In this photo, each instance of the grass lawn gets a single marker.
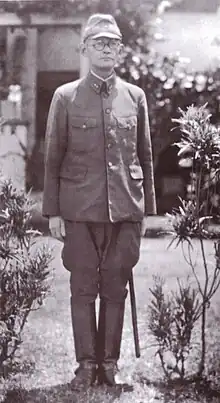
(48, 341)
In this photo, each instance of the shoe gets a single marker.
(84, 379)
(107, 376)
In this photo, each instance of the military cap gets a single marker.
(101, 25)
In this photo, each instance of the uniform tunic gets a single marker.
(98, 156)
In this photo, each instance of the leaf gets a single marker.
(172, 241)
(185, 149)
(33, 232)
(203, 219)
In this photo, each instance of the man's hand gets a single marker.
(144, 226)
(57, 227)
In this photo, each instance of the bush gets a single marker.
(172, 321)
(24, 271)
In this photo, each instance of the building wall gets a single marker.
(47, 49)
(29, 85)
(58, 49)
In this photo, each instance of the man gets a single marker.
(98, 190)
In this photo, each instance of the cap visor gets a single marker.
(106, 35)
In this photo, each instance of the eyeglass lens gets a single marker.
(100, 44)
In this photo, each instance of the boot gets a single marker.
(85, 377)
(84, 332)
(110, 326)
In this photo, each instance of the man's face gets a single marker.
(102, 52)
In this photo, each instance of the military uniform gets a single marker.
(99, 179)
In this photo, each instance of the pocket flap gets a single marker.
(136, 172)
(83, 122)
(73, 172)
(126, 122)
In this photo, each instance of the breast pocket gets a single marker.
(127, 131)
(83, 133)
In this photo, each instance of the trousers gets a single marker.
(100, 258)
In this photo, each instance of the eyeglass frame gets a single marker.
(104, 42)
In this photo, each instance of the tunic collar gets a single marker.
(96, 82)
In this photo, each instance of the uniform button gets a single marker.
(84, 126)
(107, 110)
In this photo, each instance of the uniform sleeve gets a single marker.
(55, 147)
(145, 156)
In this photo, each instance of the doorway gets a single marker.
(47, 82)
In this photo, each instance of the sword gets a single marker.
(134, 316)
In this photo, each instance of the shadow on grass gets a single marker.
(61, 394)
(183, 391)
(172, 392)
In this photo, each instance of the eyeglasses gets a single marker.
(99, 44)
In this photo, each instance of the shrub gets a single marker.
(172, 322)
(24, 271)
(172, 319)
